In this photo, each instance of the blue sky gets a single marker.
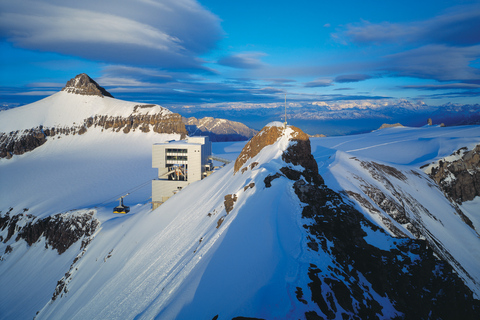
(189, 52)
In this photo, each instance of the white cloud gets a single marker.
(442, 48)
(437, 62)
(163, 33)
(319, 83)
(457, 27)
(243, 60)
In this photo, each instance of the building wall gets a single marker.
(164, 189)
(198, 151)
(158, 156)
(194, 163)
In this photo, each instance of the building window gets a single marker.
(177, 172)
(177, 158)
(176, 151)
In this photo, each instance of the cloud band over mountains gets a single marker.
(168, 33)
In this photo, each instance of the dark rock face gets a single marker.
(60, 231)
(394, 206)
(170, 123)
(300, 153)
(268, 180)
(230, 200)
(460, 179)
(84, 85)
(19, 142)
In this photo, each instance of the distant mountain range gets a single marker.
(340, 117)
(218, 129)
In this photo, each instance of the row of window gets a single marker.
(176, 150)
(180, 158)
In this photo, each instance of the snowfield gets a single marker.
(190, 258)
(64, 109)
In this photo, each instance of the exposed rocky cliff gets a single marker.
(459, 174)
(355, 276)
(59, 231)
(142, 117)
(19, 142)
(218, 129)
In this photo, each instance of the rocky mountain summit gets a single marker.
(84, 85)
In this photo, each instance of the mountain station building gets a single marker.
(179, 163)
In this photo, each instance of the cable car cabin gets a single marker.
(121, 208)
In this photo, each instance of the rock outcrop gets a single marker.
(459, 178)
(60, 231)
(267, 136)
(19, 142)
(388, 125)
(84, 85)
(299, 153)
(218, 129)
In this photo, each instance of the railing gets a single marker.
(226, 161)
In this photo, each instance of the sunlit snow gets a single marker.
(175, 262)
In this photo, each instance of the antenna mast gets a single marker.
(285, 123)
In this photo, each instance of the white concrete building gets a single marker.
(179, 163)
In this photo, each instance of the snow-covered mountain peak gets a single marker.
(84, 85)
(273, 133)
(81, 106)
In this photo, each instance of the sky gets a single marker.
(188, 52)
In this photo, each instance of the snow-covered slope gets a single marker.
(382, 172)
(263, 237)
(80, 106)
(64, 109)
